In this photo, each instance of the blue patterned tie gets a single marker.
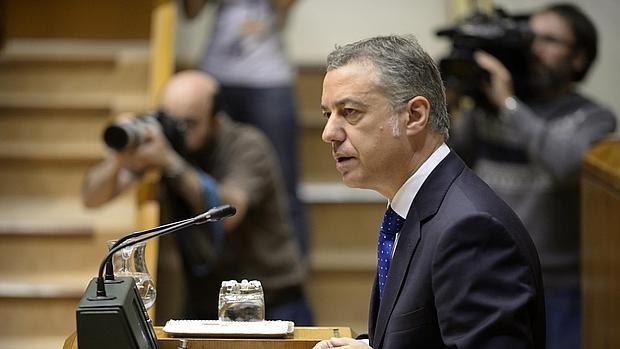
(390, 225)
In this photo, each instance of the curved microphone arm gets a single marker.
(109, 268)
(214, 214)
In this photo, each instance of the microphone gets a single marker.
(120, 320)
(212, 215)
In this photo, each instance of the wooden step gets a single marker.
(344, 258)
(85, 153)
(54, 66)
(40, 305)
(342, 217)
(46, 179)
(32, 342)
(74, 50)
(48, 285)
(87, 101)
(37, 212)
(316, 162)
(344, 224)
(341, 298)
(309, 87)
(53, 235)
(347, 226)
(52, 125)
(60, 247)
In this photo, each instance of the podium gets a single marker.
(302, 338)
(600, 246)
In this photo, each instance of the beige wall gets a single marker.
(315, 26)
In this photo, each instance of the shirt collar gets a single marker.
(407, 192)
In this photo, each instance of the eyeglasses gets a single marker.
(546, 39)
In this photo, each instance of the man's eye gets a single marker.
(326, 114)
(348, 112)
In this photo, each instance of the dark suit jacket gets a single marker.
(465, 273)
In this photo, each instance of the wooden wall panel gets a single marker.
(600, 247)
(77, 19)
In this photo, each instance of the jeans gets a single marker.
(274, 112)
(563, 318)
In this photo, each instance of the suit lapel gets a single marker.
(425, 205)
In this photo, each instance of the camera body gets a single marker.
(508, 38)
(129, 135)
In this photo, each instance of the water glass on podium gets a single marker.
(243, 301)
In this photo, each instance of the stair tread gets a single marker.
(74, 49)
(32, 212)
(89, 151)
(336, 192)
(33, 342)
(83, 100)
(44, 284)
(342, 259)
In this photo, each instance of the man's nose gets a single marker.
(333, 132)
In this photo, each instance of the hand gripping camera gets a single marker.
(508, 38)
(128, 135)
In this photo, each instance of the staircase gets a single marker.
(343, 221)
(55, 98)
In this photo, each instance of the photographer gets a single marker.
(529, 148)
(218, 161)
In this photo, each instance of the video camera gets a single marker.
(508, 38)
(128, 135)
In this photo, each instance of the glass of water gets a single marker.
(242, 301)
(130, 261)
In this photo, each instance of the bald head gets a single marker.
(190, 88)
(188, 97)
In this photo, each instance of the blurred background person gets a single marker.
(217, 161)
(527, 142)
(245, 54)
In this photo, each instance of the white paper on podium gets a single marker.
(216, 328)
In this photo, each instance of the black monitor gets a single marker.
(119, 320)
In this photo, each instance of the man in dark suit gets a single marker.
(456, 268)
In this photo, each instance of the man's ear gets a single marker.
(579, 61)
(418, 110)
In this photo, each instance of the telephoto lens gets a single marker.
(130, 134)
(121, 136)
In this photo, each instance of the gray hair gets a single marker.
(403, 70)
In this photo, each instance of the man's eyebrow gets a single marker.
(346, 101)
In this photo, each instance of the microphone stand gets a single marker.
(119, 320)
(109, 268)
(214, 214)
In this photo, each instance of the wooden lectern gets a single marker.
(302, 338)
(600, 246)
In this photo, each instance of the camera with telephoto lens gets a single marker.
(508, 38)
(128, 135)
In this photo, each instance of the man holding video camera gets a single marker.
(205, 160)
(528, 147)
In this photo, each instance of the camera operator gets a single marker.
(529, 150)
(223, 162)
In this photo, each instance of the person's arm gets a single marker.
(194, 186)
(558, 145)
(105, 181)
(191, 8)
(281, 9)
(200, 191)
